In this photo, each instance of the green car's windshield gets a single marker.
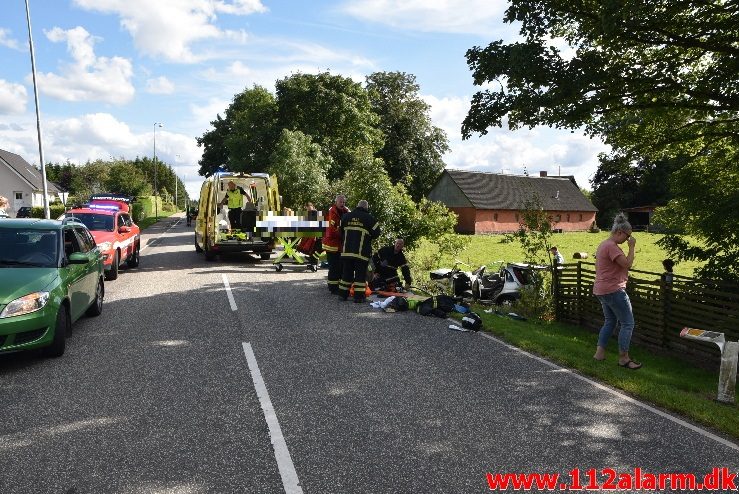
(95, 222)
(28, 248)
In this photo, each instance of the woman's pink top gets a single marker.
(609, 275)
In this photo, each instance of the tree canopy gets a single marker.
(655, 79)
(413, 146)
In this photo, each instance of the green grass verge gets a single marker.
(485, 249)
(147, 222)
(666, 382)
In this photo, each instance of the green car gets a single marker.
(51, 273)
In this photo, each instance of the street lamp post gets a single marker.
(45, 188)
(177, 158)
(156, 189)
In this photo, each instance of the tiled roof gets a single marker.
(498, 191)
(29, 172)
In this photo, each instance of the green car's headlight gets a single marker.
(26, 304)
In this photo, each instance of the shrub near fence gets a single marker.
(661, 310)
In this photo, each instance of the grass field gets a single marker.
(485, 249)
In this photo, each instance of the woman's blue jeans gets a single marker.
(616, 308)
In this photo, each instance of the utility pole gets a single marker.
(45, 187)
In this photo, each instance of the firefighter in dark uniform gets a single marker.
(332, 242)
(387, 261)
(358, 229)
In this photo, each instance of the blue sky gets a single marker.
(110, 69)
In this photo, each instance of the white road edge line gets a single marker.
(148, 244)
(625, 397)
(229, 294)
(290, 480)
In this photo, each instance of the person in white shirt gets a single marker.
(556, 256)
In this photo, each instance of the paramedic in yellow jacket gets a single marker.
(235, 201)
(358, 229)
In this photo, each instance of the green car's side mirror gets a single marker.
(78, 258)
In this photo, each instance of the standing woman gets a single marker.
(611, 273)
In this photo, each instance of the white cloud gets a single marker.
(167, 28)
(88, 77)
(13, 98)
(503, 150)
(479, 17)
(7, 41)
(159, 85)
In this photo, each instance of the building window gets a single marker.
(495, 216)
(19, 196)
(558, 218)
(580, 216)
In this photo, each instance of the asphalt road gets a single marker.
(157, 396)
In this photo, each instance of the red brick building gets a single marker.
(491, 202)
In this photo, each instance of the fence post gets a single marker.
(579, 293)
(555, 291)
(664, 295)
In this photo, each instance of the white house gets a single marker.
(21, 183)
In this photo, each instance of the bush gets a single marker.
(137, 212)
(55, 210)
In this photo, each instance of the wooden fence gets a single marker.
(661, 309)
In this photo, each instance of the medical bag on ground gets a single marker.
(472, 321)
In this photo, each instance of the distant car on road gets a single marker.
(108, 218)
(23, 212)
(51, 273)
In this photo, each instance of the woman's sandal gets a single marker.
(626, 365)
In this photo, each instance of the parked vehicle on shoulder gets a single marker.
(108, 218)
(51, 274)
(503, 286)
(23, 212)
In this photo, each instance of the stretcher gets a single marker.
(288, 232)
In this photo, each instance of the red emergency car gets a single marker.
(108, 218)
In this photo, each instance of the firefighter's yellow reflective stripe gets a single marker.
(403, 266)
(356, 229)
(344, 284)
(436, 302)
(355, 256)
(358, 284)
(375, 227)
(332, 222)
(333, 282)
(330, 248)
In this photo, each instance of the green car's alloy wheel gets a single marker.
(97, 306)
(112, 274)
(61, 331)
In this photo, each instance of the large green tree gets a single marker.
(413, 146)
(392, 206)
(656, 79)
(244, 138)
(300, 166)
(334, 111)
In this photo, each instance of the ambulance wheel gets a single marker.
(198, 249)
(265, 255)
(209, 254)
(278, 267)
(313, 267)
